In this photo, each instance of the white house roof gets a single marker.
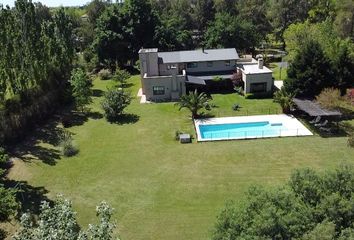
(198, 55)
(254, 69)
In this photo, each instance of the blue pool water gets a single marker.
(241, 130)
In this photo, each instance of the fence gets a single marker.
(251, 134)
(246, 112)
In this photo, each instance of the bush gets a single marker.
(177, 133)
(239, 90)
(236, 107)
(121, 76)
(66, 144)
(114, 103)
(330, 98)
(104, 74)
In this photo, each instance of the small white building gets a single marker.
(256, 77)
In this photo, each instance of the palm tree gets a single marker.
(285, 99)
(194, 102)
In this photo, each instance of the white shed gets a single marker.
(256, 77)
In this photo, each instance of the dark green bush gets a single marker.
(114, 103)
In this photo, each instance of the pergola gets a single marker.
(314, 109)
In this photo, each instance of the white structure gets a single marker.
(257, 78)
(164, 75)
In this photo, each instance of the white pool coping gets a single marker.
(292, 126)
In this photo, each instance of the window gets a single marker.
(209, 64)
(258, 87)
(227, 63)
(192, 65)
(158, 90)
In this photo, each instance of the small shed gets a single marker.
(257, 78)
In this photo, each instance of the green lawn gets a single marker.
(165, 190)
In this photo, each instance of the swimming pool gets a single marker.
(248, 127)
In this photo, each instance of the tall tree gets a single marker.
(230, 31)
(310, 72)
(255, 11)
(344, 21)
(123, 29)
(282, 13)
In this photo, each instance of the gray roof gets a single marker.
(198, 55)
(313, 108)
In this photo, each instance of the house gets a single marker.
(165, 76)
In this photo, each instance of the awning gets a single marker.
(195, 80)
(314, 109)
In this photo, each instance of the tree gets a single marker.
(172, 34)
(344, 21)
(114, 103)
(310, 72)
(81, 88)
(121, 76)
(285, 99)
(8, 203)
(282, 13)
(194, 102)
(122, 30)
(229, 31)
(59, 222)
(255, 11)
(344, 69)
(310, 206)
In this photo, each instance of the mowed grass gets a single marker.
(165, 190)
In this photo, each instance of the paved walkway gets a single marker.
(142, 96)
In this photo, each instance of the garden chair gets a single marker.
(316, 120)
(322, 124)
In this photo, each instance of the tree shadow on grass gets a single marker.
(35, 147)
(29, 196)
(127, 118)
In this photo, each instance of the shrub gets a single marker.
(121, 76)
(3, 156)
(330, 98)
(236, 107)
(239, 90)
(177, 133)
(66, 144)
(114, 103)
(104, 74)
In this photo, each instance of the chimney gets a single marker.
(260, 63)
(203, 49)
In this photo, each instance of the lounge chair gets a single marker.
(316, 120)
(326, 130)
(322, 124)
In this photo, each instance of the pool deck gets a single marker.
(292, 126)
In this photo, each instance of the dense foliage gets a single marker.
(36, 52)
(8, 204)
(310, 71)
(59, 222)
(311, 204)
(285, 100)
